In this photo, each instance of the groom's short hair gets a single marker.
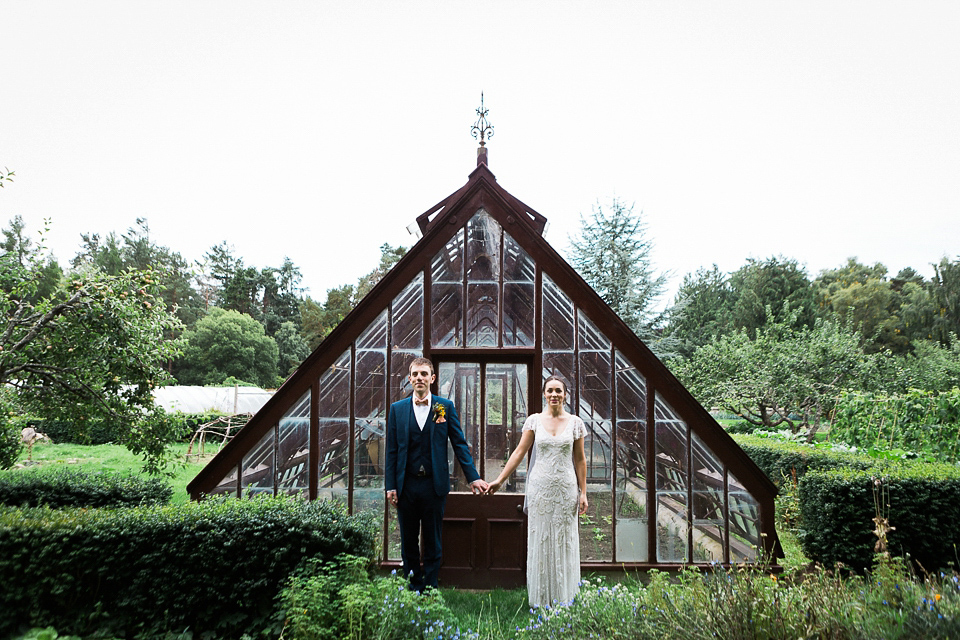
(421, 362)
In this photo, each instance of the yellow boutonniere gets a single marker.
(439, 413)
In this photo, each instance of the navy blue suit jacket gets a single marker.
(400, 420)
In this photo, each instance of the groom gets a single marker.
(418, 475)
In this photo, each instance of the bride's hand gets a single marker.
(583, 503)
(493, 487)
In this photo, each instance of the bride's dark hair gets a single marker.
(558, 379)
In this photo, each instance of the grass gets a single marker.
(116, 459)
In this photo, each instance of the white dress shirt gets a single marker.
(422, 411)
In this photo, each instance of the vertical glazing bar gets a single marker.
(313, 476)
(482, 426)
(614, 458)
(726, 515)
(352, 426)
(534, 377)
(500, 328)
(653, 508)
(690, 472)
(427, 315)
(276, 458)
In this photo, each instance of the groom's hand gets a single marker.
(479, 486)
(392, 497)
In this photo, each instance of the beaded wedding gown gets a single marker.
(553, 539)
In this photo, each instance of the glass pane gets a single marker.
(518, 315)
(483, 248)
(447, 266)
(370, 385)
(506, 411)
(407, 312)
(399, 374)
(591, 338)
(258, 466)
(708, 504)
(370, 449)
(671, 527)
(671, 451)
(483, 314)
(227, 486)
(744, 516)
(631, 521)
(707, 542)
(596, 449)
(334, 459)
(393, 534)
(595, 396)
(557, 318)
(334, 399)
(517, 265)
(293, 452)
(460, 382)
(560, 363)
(375, 335)
(631, 391)
(447, 315)
(596, 528)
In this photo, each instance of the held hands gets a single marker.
(493, 487)
(479, 487)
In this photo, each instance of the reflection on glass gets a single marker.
(506, 411)
(671, 527)
(460, 382)
(590, 338)
(483, 315)
(227, 486)
(518, 266)
(375, 335)
(293, 451)
(518, 315)
(483, 248)
(595, 379)
(744, 517)
(399, 374)
(446, 315)
(333, 456)
(447, 266)
(407, 310)
(258, 466)
(631, 391)
(558, 318)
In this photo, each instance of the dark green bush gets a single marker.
(921, 502)
(61, 487)
(213, 567)
(10, 445)
(780, 460)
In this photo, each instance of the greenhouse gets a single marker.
(497, 309)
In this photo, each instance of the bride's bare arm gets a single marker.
(580, 466)
(526, 441)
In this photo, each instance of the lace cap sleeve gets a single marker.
(530, 424)
(579, 429)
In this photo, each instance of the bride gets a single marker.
(556, 494)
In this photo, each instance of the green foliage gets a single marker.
(59, 488)
(612, 253)
(334, 600)
(917, 421)
(212, 567)
(772, 291)
(702, 310)
(228, 343)
(922, 503)
(784, 460)
(787, 375)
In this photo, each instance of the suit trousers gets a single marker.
(419, 508)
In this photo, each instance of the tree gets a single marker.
(774, 284)
(612, 253)
(787, 375)
(702, 310)
(291, 348)
(91, 349)
(228, 343)
(945, 291)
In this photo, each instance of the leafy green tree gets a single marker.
(227, 343)
(872, 307)
(702, 310)
(776, 284)
(945, 292)
(612, 253)
(785, 376)
(92, 349)
(291, 348)
(19, 253)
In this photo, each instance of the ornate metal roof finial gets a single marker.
(482, 127)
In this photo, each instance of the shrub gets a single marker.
(921, 502)
(780, 459)
(212, 567)
(10, 444)
(74, 488)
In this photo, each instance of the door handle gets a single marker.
(519, 508)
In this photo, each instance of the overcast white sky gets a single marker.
(816, 130)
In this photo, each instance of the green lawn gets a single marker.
(116, 459)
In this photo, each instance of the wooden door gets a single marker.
(485, 537)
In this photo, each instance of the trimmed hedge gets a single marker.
(213, 567)
(924, 508)
(108, 432)
(779, 459)
(74, 488)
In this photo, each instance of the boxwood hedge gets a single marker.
(212, 567)
(64, 487)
